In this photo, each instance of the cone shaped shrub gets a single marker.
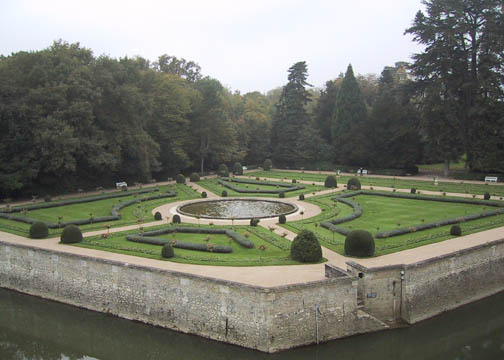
(330, 182)
(486, 196)
(167, 251)
(176, 219)
(301, 196)
(282, 219)
(39, 230)
(204, 194)
(359, 243)
(353, 184)
(71, 234)
(306, 248)
(254, 222)
(224, 193)
(267, 165)
(237, 168)
(157, 216)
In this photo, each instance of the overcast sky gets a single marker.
(247, 45)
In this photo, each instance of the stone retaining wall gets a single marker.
(267, 319)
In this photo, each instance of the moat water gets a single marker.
(33, 328)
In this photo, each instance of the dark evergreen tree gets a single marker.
(349, 120)
(325, 108)
(290, 116)
(461, 72)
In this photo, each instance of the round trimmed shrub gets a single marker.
(157, 216)
(71, 234)
(267, 165)
(306, 248)
(413, 190)
(180, 179)
(294, 181)
(204, 194)
(281, 194)
(237, 168)
(330, 182)
(39, 230)
(194, 177)
(47, 198)
(486, 196)
(224, 193)
(455, 230)
(254, 222)
(167, 251)
(301, 196)
(353, 184)
(223, 171)
(359, 243)
(282, 219)
(176, 219)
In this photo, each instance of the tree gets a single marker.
(349, 121)
(460, 71)
(393, 125)
(290, 115)
(325, 108)
(188, 70)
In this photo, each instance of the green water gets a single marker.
(32, 328)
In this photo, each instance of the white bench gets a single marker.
(120, 185)
(364, 172)
(491, 179)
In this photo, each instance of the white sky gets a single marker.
(247, 45)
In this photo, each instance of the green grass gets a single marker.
(270, 249)
(129, 215)
(398, 182)
(454, 165)
(380, 213)
(213, 186)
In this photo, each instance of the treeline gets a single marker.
(71, 120)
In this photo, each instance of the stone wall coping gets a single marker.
(275, 289)
(426, 261)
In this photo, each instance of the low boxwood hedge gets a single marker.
(284, 187)
(180, 244)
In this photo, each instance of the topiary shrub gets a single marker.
(353, 184)
(294, 181)
(176, 219)
(306, 248)
(330, 182)
(204, 194)
(47, 198)
(455, 230)
(301, 196)
(254, 222)
(359, 243)
(281, 195)
(167, 251)
(282, 219)
(194, 177)
(71, 234)
(224, 193)
(39, 230)
(486, 196)
(237, 168)
(180, 179)
(223, 171)
(158, 216)
(267, 165)
(413, 190)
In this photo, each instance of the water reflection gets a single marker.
(32, 328)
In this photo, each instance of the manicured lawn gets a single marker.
(380, 213)
(270, 249)
(398, 182)
(129, 215)
(213, 186)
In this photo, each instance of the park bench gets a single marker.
(120, 185)
(491, 179)
(364, 172)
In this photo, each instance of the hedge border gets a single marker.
(330, 225)
(239, 239)
(115, 215)
(286, 187)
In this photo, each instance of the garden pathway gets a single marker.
(267, 276)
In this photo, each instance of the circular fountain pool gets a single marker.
(237, 209)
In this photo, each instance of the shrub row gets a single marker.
(180, 244)
(47, 205)
(241, 240)
(285, 188)
(113, 217)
